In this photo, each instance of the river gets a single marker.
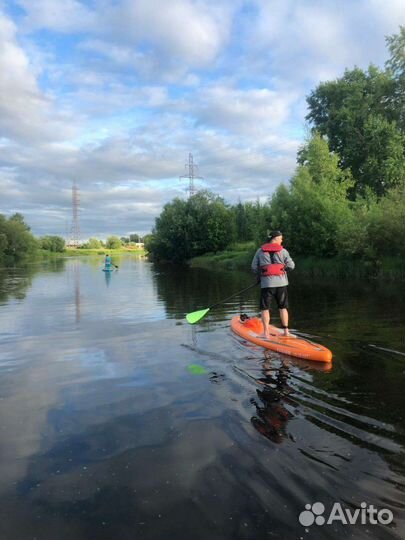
(121, 421)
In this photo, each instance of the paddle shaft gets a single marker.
(232, 295)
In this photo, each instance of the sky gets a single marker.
(115, 94)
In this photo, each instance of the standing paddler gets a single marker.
(270, 264)
(107, 262)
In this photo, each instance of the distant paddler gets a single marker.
(107, 262)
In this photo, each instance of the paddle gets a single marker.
(196, 316)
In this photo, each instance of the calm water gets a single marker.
(120, 421)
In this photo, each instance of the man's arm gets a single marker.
(255, 264)
(289, 264)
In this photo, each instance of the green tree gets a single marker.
(16, 241)
(19, 218)
(134, 238)
(55, 244)
(396, 66)
(185, 229)
(386, 225)
(93, 243)
(211, 223)
(241, 222)
(384, 165)
(347, 111)
(113, 242)
(313, 209)
(171, 234)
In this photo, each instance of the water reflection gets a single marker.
(184, 290)
(272, 413)
(108, 433)
(276, 403)
(107, 276)
(76, 273)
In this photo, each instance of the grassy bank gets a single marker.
(239, 257)
(236, 257)
(40, 255)
(73, 252)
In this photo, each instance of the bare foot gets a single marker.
(287, 334)
(263, 335)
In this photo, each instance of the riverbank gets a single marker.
(45, 255)
(73, 252)
(239, 257)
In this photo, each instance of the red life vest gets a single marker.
(274, 268)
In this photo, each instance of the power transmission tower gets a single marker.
(75, 229)
(191, 176)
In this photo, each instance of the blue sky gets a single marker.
(115, 94)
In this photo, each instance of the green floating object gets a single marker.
(195, 369)
(195, 316)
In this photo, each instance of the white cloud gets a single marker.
(159, 38)
(66, 16)
(26, 113)
(190, 31)
(243, 111)
(313, 41)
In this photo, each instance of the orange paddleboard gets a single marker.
(250, 329)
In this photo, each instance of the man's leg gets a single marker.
(266, 321)
(284, 320)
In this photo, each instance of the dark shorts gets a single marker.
(280, 294)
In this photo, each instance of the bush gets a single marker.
(55, 244)
(113, 242)
(189, 228)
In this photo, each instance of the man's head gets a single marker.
(276, 237)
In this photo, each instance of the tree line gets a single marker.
(346, 197)
(18, 244)
(16, 240)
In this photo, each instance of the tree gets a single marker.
(396, 66)
(93, 243)
(147, 239)
(171, 234)
(124, 240)
(134, 238)
(241, 222)
(113, 242)
(16, 240)
(386, 225)
(3, 242)
(185, 229)
(384, 166)
(19, 218)
(315, 207)
(211, 223)
(55, 244)
(346, 111)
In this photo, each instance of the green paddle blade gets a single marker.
(195, 369)
(194, 317)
